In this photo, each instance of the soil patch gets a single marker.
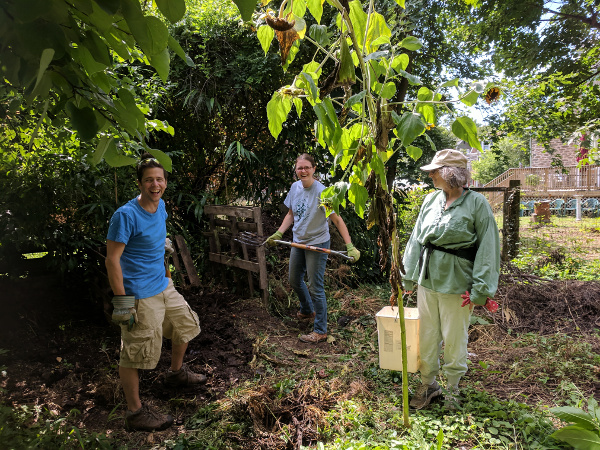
(62, 356)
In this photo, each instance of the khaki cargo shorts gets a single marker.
(166, 314)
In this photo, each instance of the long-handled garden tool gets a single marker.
(258, 241)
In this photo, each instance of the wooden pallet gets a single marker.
(225, 223)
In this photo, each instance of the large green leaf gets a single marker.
(320, 34)
(163, 158)
(332, 131)
(174, 45)
(173, 10)
(578, 437)
(389, 90)
(358, 195)
(97, 48)
(84, 121)
(412, 79)
(453, 82)
(278, 109)
(114, 159)
(470, 99)
(411, 43)
(101, 148)
(129, 101)
(359, 21)
(45, 61)
(109, 6)
(427, 110)
(464, 128)
(355, 99)
(574, 415)
(377, 29)
(150, 32)
(414, 152)
(85, 58)
(305, 81)
(298, 105)
(379, 168)
(316, 9)
(409, 127)
(333, 197)
(265, 36)
(161, 62)
(400, 62)
(246, 8)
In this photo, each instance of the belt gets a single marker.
(467, 253)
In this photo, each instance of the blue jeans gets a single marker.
(312, 297)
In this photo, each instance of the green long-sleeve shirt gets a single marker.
(468, 221)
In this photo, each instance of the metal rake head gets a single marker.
(251, 239)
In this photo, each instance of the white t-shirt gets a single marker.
(311, 226)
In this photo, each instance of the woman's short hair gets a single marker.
(148, 161)
(455, 176)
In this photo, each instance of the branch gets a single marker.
(591, 21)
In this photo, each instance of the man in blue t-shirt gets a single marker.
(135, 265)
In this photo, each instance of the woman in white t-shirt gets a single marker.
(310, 227)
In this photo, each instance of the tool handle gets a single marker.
(316, 249)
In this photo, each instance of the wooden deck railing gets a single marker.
(551, 182)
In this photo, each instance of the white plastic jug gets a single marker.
(390, 343)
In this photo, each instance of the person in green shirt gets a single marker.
(453, 256)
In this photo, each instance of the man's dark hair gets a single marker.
(148, 161)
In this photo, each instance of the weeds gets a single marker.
(35, 427)
(554, 358)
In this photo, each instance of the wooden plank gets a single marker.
(242, 226)
(247, 258)
(190, 268)
(233, 262)
(180, 274)
(235, 211)
(489, 189)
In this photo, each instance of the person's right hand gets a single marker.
(274, 237)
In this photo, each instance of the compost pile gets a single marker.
(529, 303)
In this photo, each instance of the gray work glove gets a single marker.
(169, 246)
(124, 312)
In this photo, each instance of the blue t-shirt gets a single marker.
(143, 234)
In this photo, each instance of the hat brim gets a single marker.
(430, 167)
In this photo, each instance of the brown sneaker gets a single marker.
(147, 419)
(304, 317)
(313, 338)
(184, 377)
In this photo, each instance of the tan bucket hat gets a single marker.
(448, 158)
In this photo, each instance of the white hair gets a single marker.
(455, 176)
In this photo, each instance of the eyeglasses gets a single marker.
(300, 169)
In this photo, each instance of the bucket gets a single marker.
(390, 343)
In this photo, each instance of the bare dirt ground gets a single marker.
(62, 355)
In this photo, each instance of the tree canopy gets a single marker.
(61, 66)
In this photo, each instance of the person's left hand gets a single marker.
(352, 252)
(490, 304)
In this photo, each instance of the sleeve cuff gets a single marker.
(478, 299)
(409, 285)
